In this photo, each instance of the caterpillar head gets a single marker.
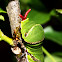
(31, 32)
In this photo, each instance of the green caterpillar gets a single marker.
(33, 34)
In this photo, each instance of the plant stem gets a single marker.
(8, 40)
(13, 11)
(48, 54)
(5, 38)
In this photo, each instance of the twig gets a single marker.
(13, 10)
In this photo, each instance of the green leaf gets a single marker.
(2, 11)
(37, 5)
(53, 35)
(33, 4)
(59, 54)
(57, 59)
(53, 12)
(5, 38)
(25, 1)
(0, 39)
(59, 10)
(2, 18)
(36, 51)
(38, 17)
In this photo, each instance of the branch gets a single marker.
(13, 11)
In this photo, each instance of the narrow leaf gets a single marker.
(48, 54)
(2, 11)
(59, 10)
(2, 18)
(5, 38)
(39, 17)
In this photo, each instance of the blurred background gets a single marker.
(48, 13)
